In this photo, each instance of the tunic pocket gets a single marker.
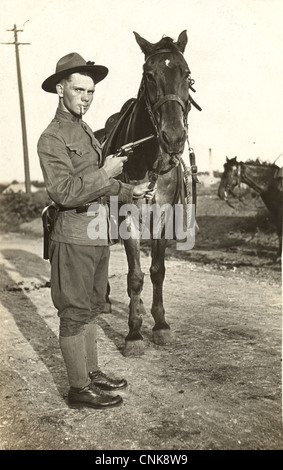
(77, 149)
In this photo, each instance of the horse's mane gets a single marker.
(258, 162)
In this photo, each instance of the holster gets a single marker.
(48, 215)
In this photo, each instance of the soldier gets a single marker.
(75, 175)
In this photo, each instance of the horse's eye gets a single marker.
(150, 77)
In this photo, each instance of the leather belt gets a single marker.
(84, 208)
(80, 209)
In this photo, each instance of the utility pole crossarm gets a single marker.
(22, 108)
(19, 43)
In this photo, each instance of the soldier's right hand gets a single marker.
(114, 166)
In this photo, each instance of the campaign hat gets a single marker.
(73, 63)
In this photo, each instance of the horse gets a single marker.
(264, 178)
(160, 110)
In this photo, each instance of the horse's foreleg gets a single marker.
(161, 329)
(134, 344)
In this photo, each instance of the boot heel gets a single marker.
(76, 406)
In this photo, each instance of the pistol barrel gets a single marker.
(145, 139)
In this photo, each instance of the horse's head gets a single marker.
(165, 86)
(229, 179)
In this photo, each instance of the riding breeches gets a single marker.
(79, 276)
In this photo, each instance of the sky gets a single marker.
(234, 52)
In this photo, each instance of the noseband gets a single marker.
(168, 98)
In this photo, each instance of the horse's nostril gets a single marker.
(173, 138)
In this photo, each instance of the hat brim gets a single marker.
(98, 73)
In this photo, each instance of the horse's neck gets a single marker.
(257, 177)
(140, 123)
(137, 126)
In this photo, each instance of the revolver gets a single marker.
(127, 149)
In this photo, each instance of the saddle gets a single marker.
(113, 126)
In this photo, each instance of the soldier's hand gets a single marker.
(114, 166)
(143, 191)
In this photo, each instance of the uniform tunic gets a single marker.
(71, 158)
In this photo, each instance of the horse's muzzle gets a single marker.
(173, 143)
(174, 160)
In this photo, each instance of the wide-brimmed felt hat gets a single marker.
(72, 63)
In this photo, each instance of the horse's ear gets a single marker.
(182, 41)
(145, 45)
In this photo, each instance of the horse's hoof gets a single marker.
(133, 348)
(162, 337)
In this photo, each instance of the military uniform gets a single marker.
(72, 166)
(71, 158)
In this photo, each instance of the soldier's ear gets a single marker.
(60, 90)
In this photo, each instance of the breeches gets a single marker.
(79, 276)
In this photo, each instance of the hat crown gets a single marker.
(70, 61)
(73, 63)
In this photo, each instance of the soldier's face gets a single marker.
(76, 93)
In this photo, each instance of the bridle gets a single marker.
(152, 108)
(170, 97)
(237, 170)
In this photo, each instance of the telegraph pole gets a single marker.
(22, 107)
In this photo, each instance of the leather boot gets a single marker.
(98, 378)
(92, 397)
(103, 382)
(82, 392)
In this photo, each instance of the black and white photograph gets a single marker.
(141, 192)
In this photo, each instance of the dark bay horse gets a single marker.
(160, 109)
(265, 179)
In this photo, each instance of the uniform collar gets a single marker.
(66, 116)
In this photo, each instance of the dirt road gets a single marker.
(217, 386)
